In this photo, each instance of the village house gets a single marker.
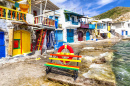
(86, 30)
(70, 21)
(121, 28)
(25, 26)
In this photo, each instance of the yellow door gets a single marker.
(21, 42)
(25, 42)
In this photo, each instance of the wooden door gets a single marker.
(80, 36)
(21, 43)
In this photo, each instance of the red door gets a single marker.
(80, 36)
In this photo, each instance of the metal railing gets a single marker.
(91, 26)
(43, 20)
(11, 14)
(75, 23)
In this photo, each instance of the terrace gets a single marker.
(40, 20)
(41, 16)
(11, 14)
(84, 25)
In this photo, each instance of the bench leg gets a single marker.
(48, 69)
(75, 74)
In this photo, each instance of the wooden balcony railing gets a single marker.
(11, 14)
(44, 21)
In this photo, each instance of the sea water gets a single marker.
(121, 63)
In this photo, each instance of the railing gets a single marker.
(84, 25)
(11, 14)
(75, 23)
(104, 27)
(43, 20)
(113, 27)
(99, 27)
(91, 26)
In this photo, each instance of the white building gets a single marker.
(122, 28)
(70, 22)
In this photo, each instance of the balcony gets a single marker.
(99, 27)
(91, 26)
(11, 14)
(40, 20)
(75, 23)
(83, 25)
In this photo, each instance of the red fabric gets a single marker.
(16, 44)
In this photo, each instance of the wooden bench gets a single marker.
(63, 67)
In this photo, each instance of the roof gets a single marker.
(49, 6)
(72, 13)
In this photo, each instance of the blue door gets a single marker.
(87, 35)
(70, 35)
(59, 35)
(126, 32)
(2, 45)
(122, 32)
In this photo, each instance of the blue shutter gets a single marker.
(2, 38)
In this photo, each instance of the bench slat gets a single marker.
(66, 55)
(65, 59)
(61, 67)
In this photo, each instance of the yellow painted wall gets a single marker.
(109, 35)
(26, 46)
(109, 28)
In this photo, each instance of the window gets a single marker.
(16, 43)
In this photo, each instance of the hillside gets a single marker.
(113, 13)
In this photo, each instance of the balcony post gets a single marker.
(6, 14)
(40, 12)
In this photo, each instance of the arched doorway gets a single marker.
(21, 43)
(80, 36)
(87, 35)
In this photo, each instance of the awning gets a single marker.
(49, 6)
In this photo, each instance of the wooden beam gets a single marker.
(10, 47)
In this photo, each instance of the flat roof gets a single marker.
(72, 13)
